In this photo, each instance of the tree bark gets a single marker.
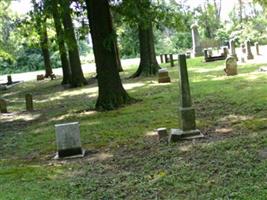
(148, 64)
(45, 50)
(77, 77)
(61, 44)
(111, 93)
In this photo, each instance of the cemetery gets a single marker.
(186, 122)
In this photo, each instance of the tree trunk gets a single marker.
(61, 44)
(148, 65)
(111, 93)
(77, 77)
(45, 50)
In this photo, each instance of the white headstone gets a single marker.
(68, 140)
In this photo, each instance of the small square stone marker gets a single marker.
(68, 140)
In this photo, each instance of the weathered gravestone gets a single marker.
(40, 77)
(231, 66)
(68, 140)
(29, 102)
(232, 49)
(3, 106)
(187, 112)
(163, 76)
(197, 49)
(257, 48)
(171, 60)
(9, 80)
(225, 52)
(248, 50)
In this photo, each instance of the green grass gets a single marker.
(125, 161)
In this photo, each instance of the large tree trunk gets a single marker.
(61, 44)
(77, 78)
(111, 93)
(45, 50)
(148, 64)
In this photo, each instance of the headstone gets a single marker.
(206, 54)
(162, 133)
(225, 51)
(164, 76)
(3, 106)
(29, 102)
(187, 112)
(161, 58)
(257, 48)
(232, 48)
(231, 66)
(40, 77)
(68, 140)
(188, 54)
(209, 52)
(243, 47)
(166, 58)
(171, 60)
(9, 80)
(197, 49)
(248, 50)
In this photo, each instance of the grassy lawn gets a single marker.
(124, 160)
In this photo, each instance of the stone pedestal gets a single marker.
(3, 106)
(197, 49)
(248, 50)
(231, 66)
(187, 112)
(68, 140)
(163, 76)
(29, 102)
(171, 60)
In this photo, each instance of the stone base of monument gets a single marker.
(70, 154)
(178, 134)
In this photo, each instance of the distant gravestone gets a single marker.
(40, 77)
(225, 51)
(162, 133)
(163, 76)
(9, 80)
(205, 53)
(231, 66)
(257, 48)
(243, 48)
(248, 50)
(209, 52)
(68, 140)
(232, 48)
(3, 106)
(197, 49)
(171, 60)
(29, 102)
(187, 112)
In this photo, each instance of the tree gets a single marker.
(40, 18)
(141, 13)
(111, 93)
(77, 77)
(60, 41)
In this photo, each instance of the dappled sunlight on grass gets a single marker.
(19, 116)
